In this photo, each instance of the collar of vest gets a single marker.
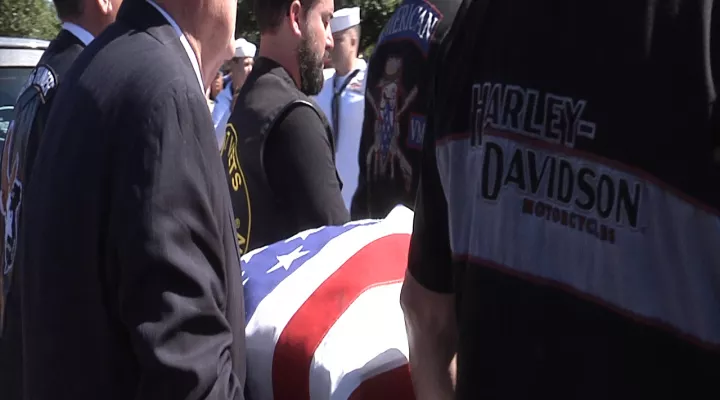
(264, 65)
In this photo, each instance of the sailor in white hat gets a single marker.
(240, 66)
(343, 96)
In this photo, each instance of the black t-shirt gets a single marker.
(300, 169)
(396, 105)
(569, 199)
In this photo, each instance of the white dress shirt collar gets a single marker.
(358, 64)
(81, 33)
(186, 45)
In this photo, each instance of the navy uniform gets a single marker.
(131, 280)
(31, 113)
(342, 99)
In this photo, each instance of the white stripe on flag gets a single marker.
(367, 340)
(279, 306)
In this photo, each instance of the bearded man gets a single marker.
(278, 147)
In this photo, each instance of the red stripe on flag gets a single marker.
(380, 262)
(390, 385)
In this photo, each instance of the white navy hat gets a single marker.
(243, 48)
(345, 18)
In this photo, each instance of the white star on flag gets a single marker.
(285, 261)
(245, 280)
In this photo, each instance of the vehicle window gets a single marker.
(11, 82)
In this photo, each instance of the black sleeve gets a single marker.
(300, 167)
(20, 146)
(359, 208)
(429, 260)
(430, 256)
(171, 285)
(715, 67)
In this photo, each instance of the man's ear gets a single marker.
(297, 18)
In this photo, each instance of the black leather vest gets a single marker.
(268, 94)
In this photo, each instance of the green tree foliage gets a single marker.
(28, 18)
(245, 25)
(374, 14)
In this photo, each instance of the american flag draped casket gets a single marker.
(323, 313)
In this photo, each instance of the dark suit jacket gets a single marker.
(31, 112)
(131, 279)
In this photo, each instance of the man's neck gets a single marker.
(86, 23)
(208, 62)
(207, 73)
(273, 48)
(344, 68)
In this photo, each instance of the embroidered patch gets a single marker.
(43, 79)
(416, 133)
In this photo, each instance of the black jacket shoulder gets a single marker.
(19, 150)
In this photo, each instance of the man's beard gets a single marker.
(311, 65)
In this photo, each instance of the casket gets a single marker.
(323, 313)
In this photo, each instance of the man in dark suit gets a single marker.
(130, 272)
(82, 20)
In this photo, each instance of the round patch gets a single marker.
(239, 193)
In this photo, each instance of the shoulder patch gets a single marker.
(413, 20)
(239, 194)
(43, 79)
